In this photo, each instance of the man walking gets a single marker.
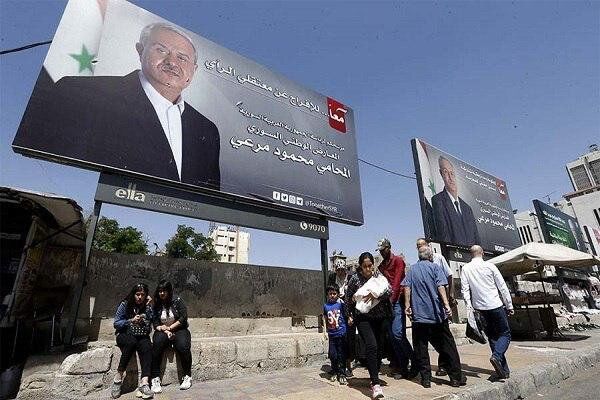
(484, 290)
(393, 268)
(440, 261)
(427, 305)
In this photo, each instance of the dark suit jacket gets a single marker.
(452, 227)
(109, 121)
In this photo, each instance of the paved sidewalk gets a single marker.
(311, 383)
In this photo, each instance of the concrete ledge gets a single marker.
(525, 383)
(89, 373)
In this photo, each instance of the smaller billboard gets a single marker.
(461, 204)
(558, 227)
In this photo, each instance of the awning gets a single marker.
(525, 258)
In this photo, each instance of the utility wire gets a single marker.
(29, 46)
(386, 170)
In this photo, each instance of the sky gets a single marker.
(510, 87)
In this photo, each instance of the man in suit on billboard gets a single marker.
(454, 220)
(135, 123)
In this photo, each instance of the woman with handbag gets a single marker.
(132, 327)
(170, 328)
(369, 310)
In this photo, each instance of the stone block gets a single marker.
(77, 386)
(541, 375)
(282, 348)
(89, 362)
(216, 353)
(251, 351)
(567, 367)
(524, 383)
(310, 345)
(311, 321)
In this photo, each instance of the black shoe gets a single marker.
(497, 367)
(349, 373)
(441, 372)
(458, 382)
(426, 383)
(411, 374)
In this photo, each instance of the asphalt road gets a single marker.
(583, 386)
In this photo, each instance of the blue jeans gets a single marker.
(402, 348)
(337, 354)
(498, 333)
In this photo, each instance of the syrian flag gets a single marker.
(75, 45)
(425, 166)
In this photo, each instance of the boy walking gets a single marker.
(334, 311)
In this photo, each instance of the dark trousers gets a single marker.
(403, 351)
(351, 343)
(129, 344)
(337, 355)
(371, 332)
(182, 342)
(441, 339)
(498, 333)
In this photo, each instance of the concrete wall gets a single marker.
(209, 289)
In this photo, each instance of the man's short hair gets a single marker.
(442, 158)
(148, 29)
(425, 253)
(476, 249)
(423, 239)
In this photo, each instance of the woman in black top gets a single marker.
(371, 325)
(132, 327)
(170, 328)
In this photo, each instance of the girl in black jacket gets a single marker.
(170, 328)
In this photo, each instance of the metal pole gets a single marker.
(324, 265)
(78, 289)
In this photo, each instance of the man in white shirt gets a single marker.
(484, 290)
(137, 123)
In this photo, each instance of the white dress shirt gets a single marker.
(441, 261)
(483, 286)
(455, 202)
(169, 115)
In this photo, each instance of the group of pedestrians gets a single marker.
(136, 315)
(375, 302)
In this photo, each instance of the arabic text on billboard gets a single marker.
(461, 204)
(123, 90)
(558, 227)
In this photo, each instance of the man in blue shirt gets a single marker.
(427, 305)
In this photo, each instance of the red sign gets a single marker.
(337, 115)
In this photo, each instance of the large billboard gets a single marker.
(558, 227)
(123, 90)
(461, 204)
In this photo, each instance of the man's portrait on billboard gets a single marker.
(453, 217)
(139, 122)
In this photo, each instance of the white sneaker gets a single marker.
(377, 392)
(186, 383)
(156, 388)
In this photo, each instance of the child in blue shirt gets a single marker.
(334, 312)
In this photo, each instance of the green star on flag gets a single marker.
(84, 59)
(431, 187)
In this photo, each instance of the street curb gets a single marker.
(526, 383)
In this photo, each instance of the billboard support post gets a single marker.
(324, 265)
(78, 290)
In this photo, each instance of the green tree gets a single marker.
(111, 238)
(186, 243)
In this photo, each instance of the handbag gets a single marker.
(142, 329)
(475, 329)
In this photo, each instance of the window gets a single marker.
(232, 239)
(231, 248)
(597, 215)
(580, 177)
(530, 235)
(231, 258)
(595, 170)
